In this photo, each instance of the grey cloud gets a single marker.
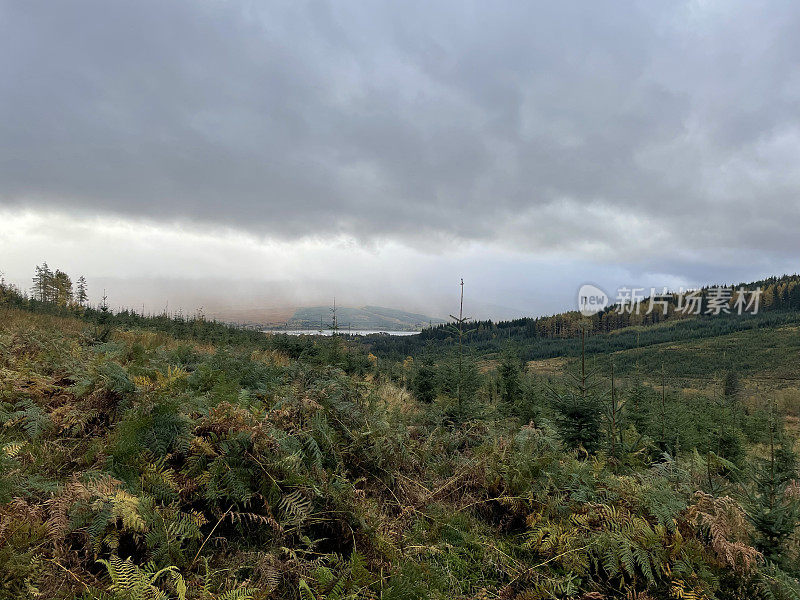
(412, 120)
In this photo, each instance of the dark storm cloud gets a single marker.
(532, 124)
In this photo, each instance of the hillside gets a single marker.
(365, 317)
(763, 348)
(765, 361)
(177, 458)
(261, 317)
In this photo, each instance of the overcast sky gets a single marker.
(287, 152)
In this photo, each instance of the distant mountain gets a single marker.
(364, 317)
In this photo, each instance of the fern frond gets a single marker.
(305, 591)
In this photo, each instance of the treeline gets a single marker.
(540, 348)
(777, 294)
(56, 287)
(102, 321)
(556, 335)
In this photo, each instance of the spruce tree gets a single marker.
(614, 424)
(104, 321)
(638, 406)
(773, 512)
(509, 379)
(580, 408)
(424, 384)
(460, 320)
(731, 386)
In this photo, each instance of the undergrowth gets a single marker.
(134, 464)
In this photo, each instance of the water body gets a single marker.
(329, 332)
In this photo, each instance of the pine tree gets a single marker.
(614, 419)
(104, 321)
(580, 408)
(424, 384)
(774, 514)
(731, 386)
(81, 294)
(37, 283)
(454, 379)
(460, 320)
(509, 383)
(731, 393)
(43, 289)
(639, 406)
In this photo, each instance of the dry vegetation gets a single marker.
(135, 464)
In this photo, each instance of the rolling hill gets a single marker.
(763, 349)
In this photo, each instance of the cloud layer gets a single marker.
(614, 129)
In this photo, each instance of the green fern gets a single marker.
(296, 506)
(131, 582)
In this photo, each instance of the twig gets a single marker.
(485, 500)
(78, 579)
(208, 537)
(541, 564)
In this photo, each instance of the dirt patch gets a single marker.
(548, 366)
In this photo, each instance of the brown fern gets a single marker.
(723, 521)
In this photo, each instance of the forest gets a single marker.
(173, 457)
(611, 329)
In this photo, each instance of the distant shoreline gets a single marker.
(342, 331)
